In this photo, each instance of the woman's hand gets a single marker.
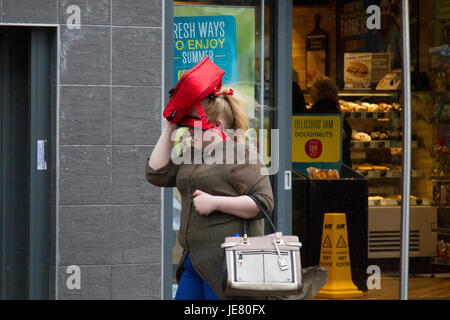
(204, 203)
(169, 126)
(161, 153)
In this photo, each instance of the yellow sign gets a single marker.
(334, 255)
(316, 138)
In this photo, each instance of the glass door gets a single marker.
(239, 37)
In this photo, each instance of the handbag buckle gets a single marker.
(245, 240)
(282, 263)
(240, 259)
(278, 239)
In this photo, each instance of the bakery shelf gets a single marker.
(390, 202)
(364, 93)
(370, 115)
(377, 174)
(379, 144)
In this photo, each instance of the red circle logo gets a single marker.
(313, 148)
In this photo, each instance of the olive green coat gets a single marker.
(201, 236)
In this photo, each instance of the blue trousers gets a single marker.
(192, 286)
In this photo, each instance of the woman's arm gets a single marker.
(240, 206)
(161, 153)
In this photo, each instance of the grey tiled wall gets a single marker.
(109, 120)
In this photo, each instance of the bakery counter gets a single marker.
(379, 144)
(384, 231)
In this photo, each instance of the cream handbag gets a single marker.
(262, 266)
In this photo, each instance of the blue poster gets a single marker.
(200, 36)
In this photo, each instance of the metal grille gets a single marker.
(389, 241)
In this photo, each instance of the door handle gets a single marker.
(41, 164)
(288, 180)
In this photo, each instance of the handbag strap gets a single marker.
(263, 210)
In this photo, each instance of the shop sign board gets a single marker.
(316, 141)
(199, 36)
(361, 70)
(227, 35)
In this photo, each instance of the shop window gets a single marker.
(366, 66)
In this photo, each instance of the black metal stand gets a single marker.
(313, 198)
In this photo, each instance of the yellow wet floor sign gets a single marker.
(334, 255)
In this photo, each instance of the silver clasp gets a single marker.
(240, 259)
(281, 261)
(245, 240)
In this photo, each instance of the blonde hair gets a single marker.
(230, 109)
(324, 88)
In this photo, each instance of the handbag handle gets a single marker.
(263, 210)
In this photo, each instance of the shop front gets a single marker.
(359, 45)
(83, 85)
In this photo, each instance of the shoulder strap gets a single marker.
(263, 210)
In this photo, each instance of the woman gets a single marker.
(214, 198)
(325, 99)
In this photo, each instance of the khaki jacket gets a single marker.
(201, 236)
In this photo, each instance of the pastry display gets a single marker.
(315, 173)
(375, 198)
(377, 135)
(360, 136)
(382, 134)
(347, 106)
(396, 197)
(368, 166)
